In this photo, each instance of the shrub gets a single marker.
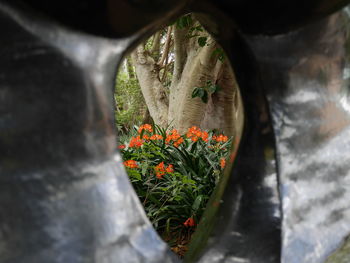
(174, 174)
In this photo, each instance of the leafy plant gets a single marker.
(219, 52)
(184, 21)
(204, 91)
(202, 41)
(174, 174)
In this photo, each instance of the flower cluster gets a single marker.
(220, 138)
(170, 170)
(146, 127)
(174, 137)
(194, 133)
(156, 137)
(131, 164)
(161, 170)
(135, 142)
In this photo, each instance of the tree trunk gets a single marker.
(223, 109)
(199, 68)
(151, 87)
(194, 66)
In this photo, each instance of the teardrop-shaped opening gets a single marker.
(179, 118)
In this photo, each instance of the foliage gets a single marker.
(204, 91)
(219, 52)
(130, 105)
(174, 174)
(202, 41)
(184, 21)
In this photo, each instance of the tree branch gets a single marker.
(152, 89)
(166, 48)
(155, 49)
(179, 51)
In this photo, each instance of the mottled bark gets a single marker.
(151, 87)
(155, 50)
(193, 67)
(224, 105)
(180, 41)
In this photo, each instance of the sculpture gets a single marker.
(64, 196)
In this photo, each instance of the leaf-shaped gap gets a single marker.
(179, 116)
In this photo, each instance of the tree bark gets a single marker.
(194, 66)
(155, 50)
(151, 87)
(199, 67)
(223, 106)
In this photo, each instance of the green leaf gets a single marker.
(202, 41)
(197, 202)
(134, 174)
(186, 180)
(184, 21)
(199, 28)
(168, 225)
(219, 52)
(201, 92)
(154, 200)
(212, 88)
(195, 92)
(144, 167)
(205, 96)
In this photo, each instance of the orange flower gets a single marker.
(189, 222)
(194, 138)
(122, 146)
(178, 142)
(131, 164)
(145, 137)
(194, 133)
(146, 127)
(173, 136)
(220, 138)
(222, 163)
(170, 169)
(193, 129)
(205, 136)
(156, 137)
(160, 170)
(135, 142)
